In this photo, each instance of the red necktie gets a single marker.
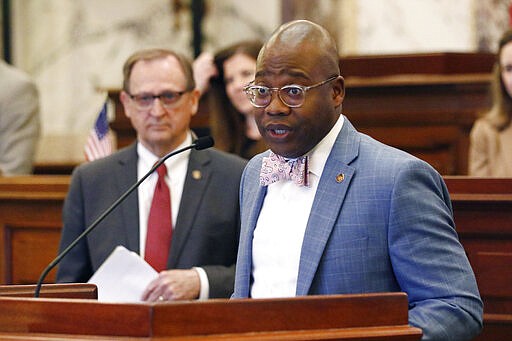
(158, 238)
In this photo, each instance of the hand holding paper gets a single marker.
(123, 277)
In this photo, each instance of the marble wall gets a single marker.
(1, 30)
(414, 26)
(75, 49)
(492, 18)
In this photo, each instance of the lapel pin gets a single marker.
(196, 175)
(340, 177)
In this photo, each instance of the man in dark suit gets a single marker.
(159, 99)
(357, 216)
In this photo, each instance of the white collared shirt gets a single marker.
(175, 179)
(176, 173)
(281, 225)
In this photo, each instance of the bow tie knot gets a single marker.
(275, 168)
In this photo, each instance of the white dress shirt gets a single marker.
(176, 173)
(281, 225)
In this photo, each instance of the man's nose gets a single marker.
(276, 105)
(157, 109)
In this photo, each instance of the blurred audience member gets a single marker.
(490, 152)
(222, 77)
(19, 121)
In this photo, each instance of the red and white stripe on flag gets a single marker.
(99, 141)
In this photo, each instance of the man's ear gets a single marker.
(338, 94)
(124, 98)
(194, 100)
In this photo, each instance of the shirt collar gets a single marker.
(319, 154)
(148, 159)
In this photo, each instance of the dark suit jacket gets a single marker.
(207, 227)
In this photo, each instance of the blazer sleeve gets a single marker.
(213, 240)
(221, 280)
(429, 262)
(76, 265)
(220, 277)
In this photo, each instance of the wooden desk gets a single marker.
(30, 225)
(61, 290)
(348, 317)
(483, 216)
(435, 63)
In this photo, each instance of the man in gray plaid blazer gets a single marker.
(371, 218)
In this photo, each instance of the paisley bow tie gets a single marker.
(275, 167)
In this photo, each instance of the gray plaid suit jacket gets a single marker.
(388, 226)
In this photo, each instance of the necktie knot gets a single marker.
(162, 171)
(275, 168)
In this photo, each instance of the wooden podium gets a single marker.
(382, 316)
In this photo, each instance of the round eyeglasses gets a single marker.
(169, 99)
(292, 95)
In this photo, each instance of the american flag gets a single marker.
(99, 142)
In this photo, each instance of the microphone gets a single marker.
(199, 144)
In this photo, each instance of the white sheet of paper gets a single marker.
(122, 277)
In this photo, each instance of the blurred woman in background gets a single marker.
(221, 77)
(490, 150)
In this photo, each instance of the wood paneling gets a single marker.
(429, 116)
(424, 104)
(30, 225)
(483, 217)
(61, 290)
(417, 63)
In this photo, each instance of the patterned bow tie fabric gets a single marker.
(275, 168)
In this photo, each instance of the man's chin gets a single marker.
(160, 135)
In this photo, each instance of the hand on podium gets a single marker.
(173, 285)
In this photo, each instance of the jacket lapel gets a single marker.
(125, 175)
(251, 207)
(329, 197)
(197, 178)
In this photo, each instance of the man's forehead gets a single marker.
(165, 61)
(281, 72)
(285, 63)
(164, 67)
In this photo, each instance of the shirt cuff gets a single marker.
(204, 291)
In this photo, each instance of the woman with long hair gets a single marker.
(490, 150)
(223, 76)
